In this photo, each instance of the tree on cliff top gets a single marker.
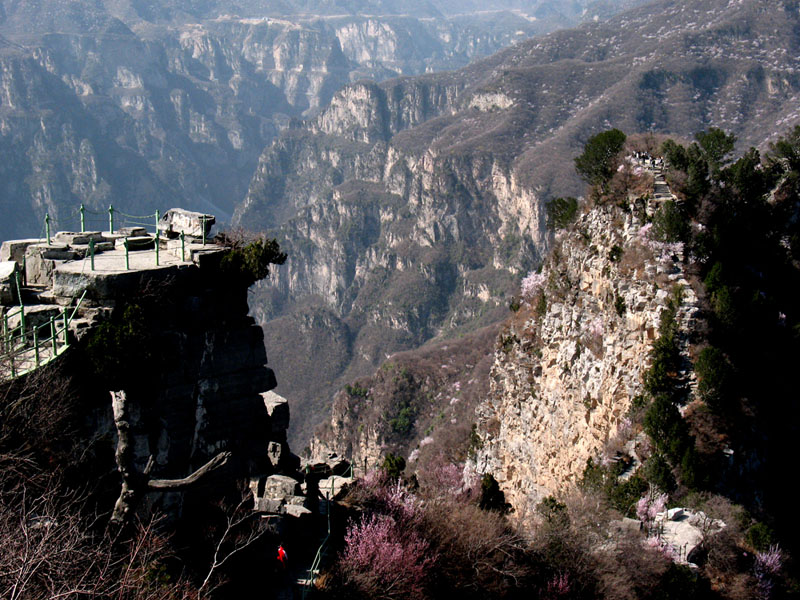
(250, 256)
(596, 164)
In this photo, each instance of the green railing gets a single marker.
(25, 349)
(314, 569)
(84, 219)
(115, 221)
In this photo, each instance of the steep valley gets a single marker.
(414, 206)
(170, 104)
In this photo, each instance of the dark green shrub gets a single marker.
(597, 163)
(615, 253)
(676, 155)
(248, 261)
(621, 495)
(403, 421)
(553, 511)
(658, 472)
(691, 472)
(393, 465)
(561, 212)
(666, 428)
(714, 375)
(681, 582)
(716, 146)
(670, 224)
(624, 495)
(356, 390)
(760, 537)
(541, 305)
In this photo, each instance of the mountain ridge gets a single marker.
(476, 167)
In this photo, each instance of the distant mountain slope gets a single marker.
(149, 105)
(65, 11)
(410, 207)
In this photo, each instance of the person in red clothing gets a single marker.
(282, 556)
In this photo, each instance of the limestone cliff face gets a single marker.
(108, 102)
(434, 184)
(398, 243)
(566, 370)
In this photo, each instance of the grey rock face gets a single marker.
(166, 104)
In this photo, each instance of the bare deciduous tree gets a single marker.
(50, 549)
(134, 483)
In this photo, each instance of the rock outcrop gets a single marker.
(415, 204)
(172, 330)
(569, 364)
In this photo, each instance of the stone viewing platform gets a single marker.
(65, 276)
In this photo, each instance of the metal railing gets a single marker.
(117, 220)
(112, 220)
(315, 564)
(25, 349)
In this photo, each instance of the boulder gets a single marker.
(335, 487)
(273, 506)
(193, 224)
(278, 410)
(41, 261)
(74, 237)
(130, 231)
(15, 249)
(281, 486)
(8, 281)
(138, 242)
(298, 512)
(296, 501)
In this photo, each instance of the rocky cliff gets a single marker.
(174, 335)
(419, 405)
(144, 106)
(435, 184)
(569, 364)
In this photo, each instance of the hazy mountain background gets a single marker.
(406, 181)
(410, 209)
(149, 105)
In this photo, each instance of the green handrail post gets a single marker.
(47, 227)
(127, 258)
(203, 227)
(6, 336)
(183, 246)
(11, 358)
(77, 306)
(83, 218)
(21, 306)
(53, 334)
(36, 345)
(157, 244)
(25, 270)
(91, 252)
(110, 218)
(66, 328)
(157, 217)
